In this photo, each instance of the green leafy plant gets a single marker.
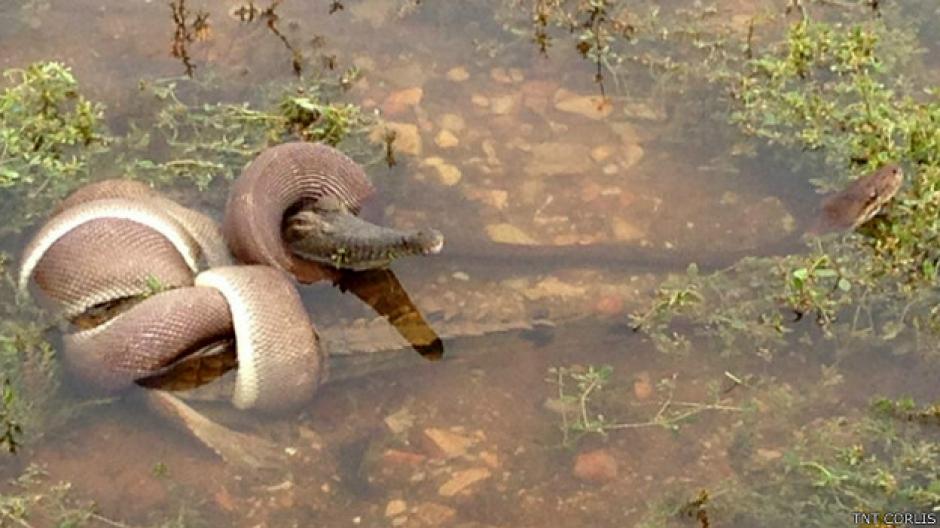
(200, 142)
(839, 89)
(48, 132)
(11, 429)
(579, 386)
(870, 460)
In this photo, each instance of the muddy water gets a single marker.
(496, 142)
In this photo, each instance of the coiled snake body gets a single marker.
(174, 272)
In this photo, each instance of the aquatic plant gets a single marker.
(186, 32)
(580, 386)
(835, 89)
(201, 141)
(11, 428)
(48, 133)
(29, 376)
(830, 467)
(31, 499)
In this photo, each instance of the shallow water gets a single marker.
(501, 156)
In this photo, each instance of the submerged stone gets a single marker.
(508, 234)
(590, 106)
(407, 138)
(446, 139)
(597, 466)
(457, 74)
(447, 174)
(461, 481)
(552, 159)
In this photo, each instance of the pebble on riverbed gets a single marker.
(458, 74)
(431, 514)
(407, 139)
(597, 466)
(590, 106)
(509, 234)
(452, 122)
(395, 507)
(446, 444)
(447, 174)
(401, 100)
(446, 139)
(461, 481)
(552, 159)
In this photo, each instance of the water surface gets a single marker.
(507, 150)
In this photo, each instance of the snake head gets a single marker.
(859, 202)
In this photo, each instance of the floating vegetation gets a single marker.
(48, 133)
(29, 374)
(907, 409)
(835, 89)
(819, 472)
(52, 136)
(202, 141)
(580, 386)
(10, 428)
(31, 500)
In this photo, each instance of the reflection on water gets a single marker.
(496, 143)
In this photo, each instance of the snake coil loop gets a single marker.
(170, 271)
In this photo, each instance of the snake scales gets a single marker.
(184, 283)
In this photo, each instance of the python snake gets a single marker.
(182, 283)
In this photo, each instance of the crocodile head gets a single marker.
(331, 235)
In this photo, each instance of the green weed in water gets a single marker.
(11, 429)
(202, 141)
(580, 387)
(31, 500)
(837, 89)
(818, 473)
(48, 132)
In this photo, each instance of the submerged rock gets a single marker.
(395, 507)
(407, 138)
(625, 231)
(399, 101)
(447, 174)
(597, 466)
(446, 139)
(445, 443)
(431, 514)
(452, 122)
(480, 100)
(496, 198)
(503, 104)
(461, 481)
(590, 106)
(509, 234)
(643, 386)
(552, 159)
(458, 74)
(632, 154)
